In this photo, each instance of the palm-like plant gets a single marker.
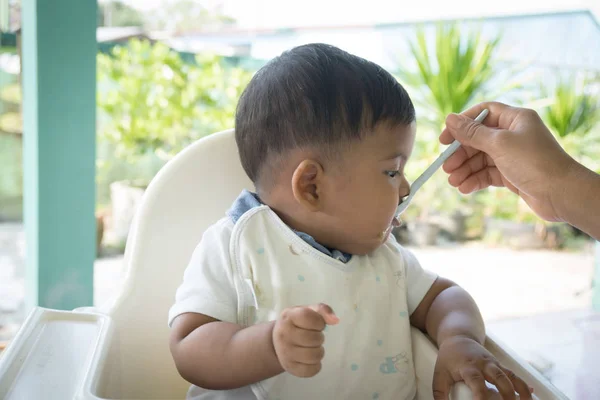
(451, 75)
(452, 72)
(574, 117)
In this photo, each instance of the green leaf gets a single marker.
(456, 75)
(150, 98)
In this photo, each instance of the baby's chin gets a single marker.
(364, 247)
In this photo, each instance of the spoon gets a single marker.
(418, 183)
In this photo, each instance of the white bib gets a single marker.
(368, 354)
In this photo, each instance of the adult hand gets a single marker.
(512, 148)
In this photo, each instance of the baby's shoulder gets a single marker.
(220, 231)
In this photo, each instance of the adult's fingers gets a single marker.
(496, 110)
(471, 134)
(500, 115)
(485, 178)
(459, 157)
(471, 166)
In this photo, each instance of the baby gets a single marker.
(300, 292)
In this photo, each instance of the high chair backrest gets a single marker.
(189, 194)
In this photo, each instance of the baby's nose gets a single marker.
(404, 192)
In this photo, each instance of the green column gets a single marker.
(59, 105)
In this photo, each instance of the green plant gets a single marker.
(150, 100)
(12, 93)
(451, 72)
(188, 16)
(574, 117)
(117, 13)
(11, 121)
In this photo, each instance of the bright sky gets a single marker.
(288, 13)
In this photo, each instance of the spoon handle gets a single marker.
(451, 149)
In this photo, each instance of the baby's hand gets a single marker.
(463, 359)
(298, 338)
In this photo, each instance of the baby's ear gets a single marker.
(306, 184)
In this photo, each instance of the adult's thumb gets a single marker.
(326, 312)
(470, 133)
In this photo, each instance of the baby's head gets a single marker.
(325, 135)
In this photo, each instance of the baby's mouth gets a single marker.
(394, 224)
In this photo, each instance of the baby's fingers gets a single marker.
(519, 384)
(313, 317)
(306, 338)
(304, 370)
(474, 379)
(326, 312)
(498, 378)
(442, 383)
(307, 355)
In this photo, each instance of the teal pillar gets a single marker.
(59, 106)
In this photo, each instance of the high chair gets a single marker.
(120, 350)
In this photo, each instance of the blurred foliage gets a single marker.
(572, 112)
(452, 71)
(11, 122)
(117, 13)
(456, 67)
(11, 94)
(11, 177)
(110, 169)
(9, 50)
(188, 16)
(573, 115)
(151, 101)
(571, 109)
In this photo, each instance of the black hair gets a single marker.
(314, 96)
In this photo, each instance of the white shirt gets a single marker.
(249, 272)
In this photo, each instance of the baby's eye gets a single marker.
(392, 174)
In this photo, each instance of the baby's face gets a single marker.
(367, 189)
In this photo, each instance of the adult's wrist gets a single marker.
(577, 199)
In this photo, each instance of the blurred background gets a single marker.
(170, 71)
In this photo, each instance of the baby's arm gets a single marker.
(450, 316)
(212, 351)
(220, 355)
(446, 311)
(209, 348)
